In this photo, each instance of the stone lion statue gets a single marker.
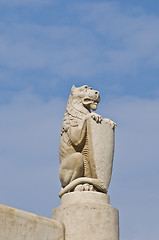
(77, 170)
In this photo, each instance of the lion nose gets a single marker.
(97, 96)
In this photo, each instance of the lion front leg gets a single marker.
(71, 168)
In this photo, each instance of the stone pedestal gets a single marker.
(88, 216)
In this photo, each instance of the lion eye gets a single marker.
(85, 88)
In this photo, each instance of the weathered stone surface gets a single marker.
(86, 144)
(101, 149)
(19, 225)
(88, 216)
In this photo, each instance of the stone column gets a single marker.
(88, 216)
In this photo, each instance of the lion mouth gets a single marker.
(88, 101)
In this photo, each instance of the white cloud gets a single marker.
(105, 39)
(120, 42)
(62, 50)
(131, 37)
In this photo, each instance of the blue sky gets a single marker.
(46, 46)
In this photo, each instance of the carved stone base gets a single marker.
(88, 216)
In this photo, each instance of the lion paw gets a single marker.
(96, 117)
(84, 187)
(112, 124)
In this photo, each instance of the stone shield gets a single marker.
(101, 149)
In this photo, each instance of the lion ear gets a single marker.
(73, 88)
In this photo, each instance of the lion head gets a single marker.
(86, 96)
(81, 101)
